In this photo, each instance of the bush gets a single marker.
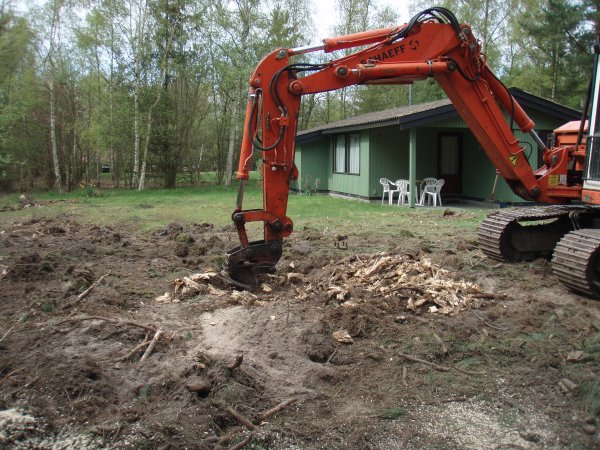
(309, 187)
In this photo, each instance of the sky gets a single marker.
(326, 15)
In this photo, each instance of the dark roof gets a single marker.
(410, 116)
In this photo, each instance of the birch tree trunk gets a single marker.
(233, 131)
(484, 38)
(147, 142)
(55, 160)
(52, 87)
(555, 71)
(163, 75)
(136, 135)
(138, 43)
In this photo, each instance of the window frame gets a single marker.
(347, 151)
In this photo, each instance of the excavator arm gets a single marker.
(432, 44)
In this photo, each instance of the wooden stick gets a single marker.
(277, 408)
(9, 330)
(488, 295)
(422, 361)
(442, 343)
(25, 386)
(437, 366)
(136, 349)
(6, 272)
(96, 283)
(241, 419)
(486, 323)
(447, 400)
(241, 444)
(467, 372)
(106, 319)
(332, 355)
(225, 438)
(237, 363)
(151, 345)
(404, 375)
(7, 377)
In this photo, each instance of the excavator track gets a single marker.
(505, 236)
(575, 262)
(569, 234)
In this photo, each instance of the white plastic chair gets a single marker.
(421, 188)
(387, 189)
(433, 193)
(403, 192)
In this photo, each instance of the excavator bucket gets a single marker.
(244, 264)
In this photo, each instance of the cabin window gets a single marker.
(346, 154)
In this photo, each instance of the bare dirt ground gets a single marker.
(513, 366)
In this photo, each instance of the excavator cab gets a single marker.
(591, 182)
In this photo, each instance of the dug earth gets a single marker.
(112, 338)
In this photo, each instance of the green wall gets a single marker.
(389, 157)
(314, 165)
(357, 185)
(384, 153)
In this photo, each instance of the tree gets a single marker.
(52, 56)
(554, 40)
(19, 97)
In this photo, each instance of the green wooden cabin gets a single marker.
(349, 157)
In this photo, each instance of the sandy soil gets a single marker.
(69, 379)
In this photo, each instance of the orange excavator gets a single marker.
(432, 44)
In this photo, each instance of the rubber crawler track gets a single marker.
(494, 232)
(575, 261)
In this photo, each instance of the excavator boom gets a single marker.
(432, 44)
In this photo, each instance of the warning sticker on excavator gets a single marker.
(513, 159)
(553, 180)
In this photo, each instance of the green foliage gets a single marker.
(90, 191)
(393, 413)
(310, 186)
(48, 307)
(555, 41)
(188, 63)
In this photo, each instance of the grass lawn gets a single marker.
(154, 208)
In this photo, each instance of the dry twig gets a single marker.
(486, 323)
(25, 386)
(106, 319)
(277, 408)
(152, 344)
(136, 349)
(404, 375)
(5, 272)
(96, 283)
(422, 361)
(7, 376)
(332, 355)
(437, 366)
(9, 330)
(447, 400)
(489, 296)
(237, 363)
(442, 343)
(241, 419)
(241, 444)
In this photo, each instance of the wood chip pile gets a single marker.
(420, 283)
